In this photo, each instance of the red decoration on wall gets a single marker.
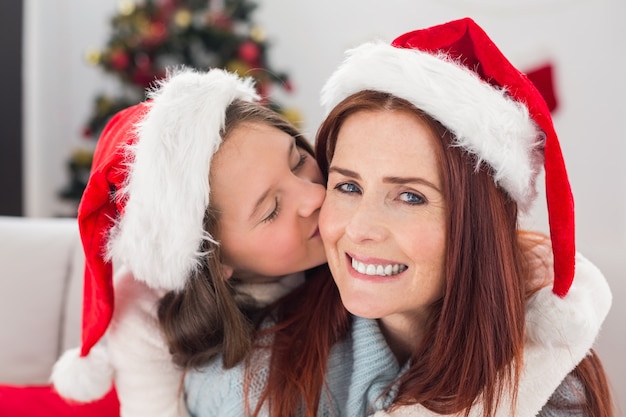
(543, 78)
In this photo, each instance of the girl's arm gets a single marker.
(146, 379)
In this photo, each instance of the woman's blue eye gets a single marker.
(412, 198)
(347, 188)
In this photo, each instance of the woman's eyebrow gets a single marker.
(410, 180)
(387, 180)
(345, 172)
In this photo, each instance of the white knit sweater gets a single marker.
(147, 381)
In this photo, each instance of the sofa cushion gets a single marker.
(37, 259)
(72, 318)
(37, 401)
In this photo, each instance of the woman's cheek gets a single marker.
(330, 218)
(324, 220)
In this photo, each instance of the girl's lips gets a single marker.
(316, 233)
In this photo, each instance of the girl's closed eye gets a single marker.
(270, 217)
(302, 157)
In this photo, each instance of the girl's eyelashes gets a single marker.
(273, 214)
(302, 156)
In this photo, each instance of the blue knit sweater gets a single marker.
(360, 368)
(359, 371)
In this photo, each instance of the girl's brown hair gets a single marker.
(473, 344)
(209, 316)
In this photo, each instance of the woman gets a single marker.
(208, 204)
(431, 146)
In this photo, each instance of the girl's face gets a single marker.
(268, 193)
(383, 221)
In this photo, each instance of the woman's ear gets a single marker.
(227, 271)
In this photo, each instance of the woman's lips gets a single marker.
(373, 268)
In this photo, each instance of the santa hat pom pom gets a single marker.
(553, 321)
(83, 378)
(566, 321)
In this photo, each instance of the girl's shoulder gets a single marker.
(213, 390)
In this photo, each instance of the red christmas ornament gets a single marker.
(87, 132)
(142, 78)
(220, 21)
(119, 59)
(249, 52)
(168, 7)
(157, 33)
(143, 62)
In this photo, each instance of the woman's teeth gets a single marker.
(383, 271)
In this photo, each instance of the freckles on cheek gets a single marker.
(325, 221)
(332, 223)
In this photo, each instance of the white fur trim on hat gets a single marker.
(499, 132)
(161, 229)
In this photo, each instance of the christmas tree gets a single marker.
(152, 35)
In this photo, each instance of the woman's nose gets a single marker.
(366, 223)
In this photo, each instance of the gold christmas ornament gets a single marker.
(239, 67)
(143, 25)
(82, 157)
(126, 7)
(103, 105)
(293, 115)
(93, 56)
(258, 34)
(182, 18)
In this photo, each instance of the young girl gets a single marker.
(431, 147)
(205, 202)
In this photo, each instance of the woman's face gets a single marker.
(269, 194)
(383, 221)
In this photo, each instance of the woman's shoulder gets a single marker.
(569, 399)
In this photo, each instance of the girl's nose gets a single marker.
(312, 197)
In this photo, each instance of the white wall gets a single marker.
(583, 39)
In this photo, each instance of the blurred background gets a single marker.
(66, 64)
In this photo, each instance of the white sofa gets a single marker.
(41, 279)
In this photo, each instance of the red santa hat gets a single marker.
(144, 206)
(457, 75)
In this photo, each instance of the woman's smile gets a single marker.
(369, 268)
